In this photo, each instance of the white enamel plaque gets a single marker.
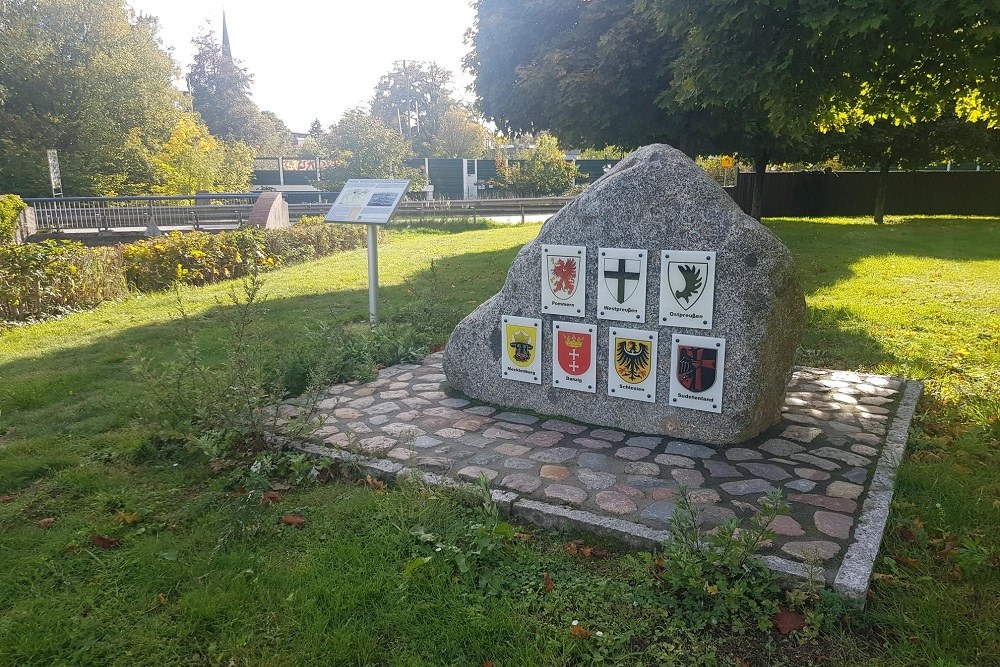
(632, 364)
(697, 371)
(574, 356)
(521, 353)
(687, 288)
(621, 284)
(564, 280)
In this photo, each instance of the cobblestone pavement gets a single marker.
(829, 457)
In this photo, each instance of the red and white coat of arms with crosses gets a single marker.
(574, 352)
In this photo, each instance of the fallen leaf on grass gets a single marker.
(9, 498)
(293, 520)
(580, 548)
(906, 534)
(786, 621)
(523, 536)
(270, 498)
(45, 523)
(579, 632)
(104, 542)
(909, 562)
(217, 466)
(280, 486)
(127, 518)
(376, 484)
(548, 584)
(488, 663)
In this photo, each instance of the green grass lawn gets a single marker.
(205, 578)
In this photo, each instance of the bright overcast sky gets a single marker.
(314, 58)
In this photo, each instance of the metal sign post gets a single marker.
(54, 177)
(371, 202)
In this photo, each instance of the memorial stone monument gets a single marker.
(650, 303)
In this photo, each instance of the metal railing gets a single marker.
(118, 213)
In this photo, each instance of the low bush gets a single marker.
(10, 207)
(40, 280)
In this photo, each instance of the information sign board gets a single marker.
(367, 201)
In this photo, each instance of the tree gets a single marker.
(882, 69)
(413, 98)
(269, 135)
(193, 161)
(220, 90)
(460, 135)
(543, 170)
(88, 78)
(362, 146)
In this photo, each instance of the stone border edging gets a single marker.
(859, 560)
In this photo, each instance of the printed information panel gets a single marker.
(687, 288)
(574, 356)
(698, 365)
(520, 358)
(632, 364)
(621, 284)
(564, 280)
(369, 201)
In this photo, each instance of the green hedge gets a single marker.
(39, 280)
(10, 207)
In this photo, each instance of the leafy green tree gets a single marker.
(460, 135)
(413, 98)
(362, 146)
(192, 161)
(543, 170)
(270, 136)
(220, 90)
(88, 78)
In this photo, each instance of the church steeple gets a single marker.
(227, 53)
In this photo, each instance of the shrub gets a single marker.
(53, 277)
(10, 207)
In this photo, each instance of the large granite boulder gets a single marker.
(655, 199)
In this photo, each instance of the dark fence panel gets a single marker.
(813, 193)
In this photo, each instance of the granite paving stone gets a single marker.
(765, 471)
(616, 503)
(745, 487)
(555, 455)
(814, 475)
(686, 477)
(801, 485)
(743, 454)
(659, 511)
(642, 468)
(689, 449)
(720, 470)
(607, 434)
(511, 449)
(786, 525)
(522, 482)
(840, 489)
(595, 480)
(646, 441)
(821, 455)
(516, 417)
(780, 447)
(592, 443)
(544, 438)
(555, 472)
(834, 504)
(801, 433)
(592, 460)
(833, 524)
(810, 550)
(631, 453)
(475, 472)
(674, 460)
(566, 494)
(563, 427)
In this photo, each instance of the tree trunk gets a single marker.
(757, 196)
(881, 189)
